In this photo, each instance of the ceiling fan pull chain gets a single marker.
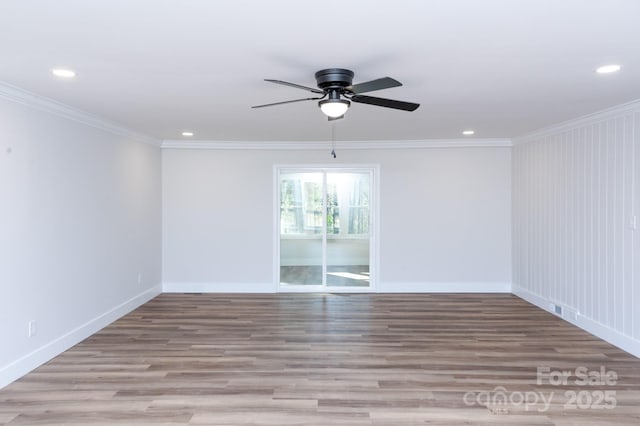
(333, 139)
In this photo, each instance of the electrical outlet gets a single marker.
(32, 328)
(571, 315)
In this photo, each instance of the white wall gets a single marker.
(445, 220)
(576, 191)
(80, 207)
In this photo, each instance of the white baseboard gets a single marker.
(532, 298)
(623, 341)
(438, 287)
(29, 362)
(426, 287)
(616, 338)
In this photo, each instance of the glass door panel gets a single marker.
(348, 229)
(301, 228)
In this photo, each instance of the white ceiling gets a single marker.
(501, 67)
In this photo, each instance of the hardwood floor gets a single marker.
(330, 359)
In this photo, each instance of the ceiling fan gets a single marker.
(337, 91)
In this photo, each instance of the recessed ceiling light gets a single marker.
(64, 73)
(468, 132)
(187, 133)
(606, 69)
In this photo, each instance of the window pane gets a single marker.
(359, 205)
(301, 203)
(301, 228)
(348, 203)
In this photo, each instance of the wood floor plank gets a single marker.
(321, 359)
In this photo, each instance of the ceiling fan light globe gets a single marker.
(334, 107)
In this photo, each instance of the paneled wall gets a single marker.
(576, 246)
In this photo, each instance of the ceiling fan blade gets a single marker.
(378, 84)
(297, 86)
(336, 118)
(387, 103)
(285, 102)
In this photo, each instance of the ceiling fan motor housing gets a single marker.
(334, 78)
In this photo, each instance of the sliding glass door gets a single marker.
(324, 232)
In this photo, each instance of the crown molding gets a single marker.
(18, 95)
(585, 120)
(343, 145)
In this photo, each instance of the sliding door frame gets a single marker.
(374, 210)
